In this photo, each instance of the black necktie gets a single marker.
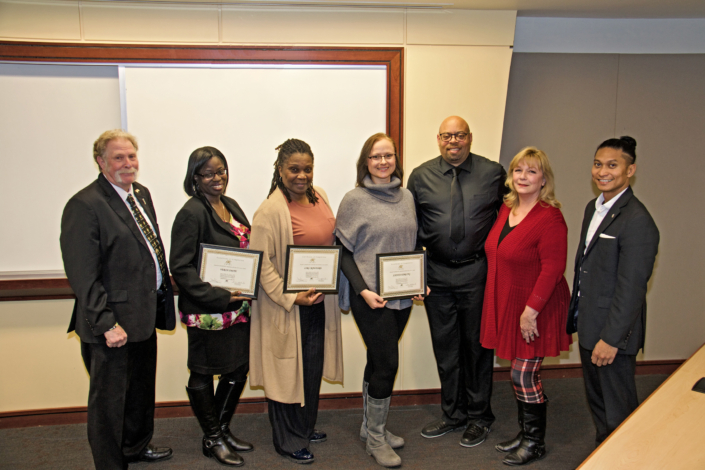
(149, 234)
(457, 217)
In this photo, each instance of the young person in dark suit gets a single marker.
(217, 320)
(615, 258)
(114, 261)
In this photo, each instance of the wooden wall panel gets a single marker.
(116, 22)
(661, 103)
(461, 27)
(567, 104)
(313, 26)
(40, 21)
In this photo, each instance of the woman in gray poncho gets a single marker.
(378, 216)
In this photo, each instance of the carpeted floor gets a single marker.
(570, 438)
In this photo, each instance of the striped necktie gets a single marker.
(150, 235)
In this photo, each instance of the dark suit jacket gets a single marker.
(109, 266)
(198, 223)
(613, 275)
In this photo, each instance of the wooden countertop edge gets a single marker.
(638, 408)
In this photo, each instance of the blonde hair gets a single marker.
(102, 142)
(537, 158)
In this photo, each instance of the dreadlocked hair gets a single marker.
(286, 150)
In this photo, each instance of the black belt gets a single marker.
(454, 263)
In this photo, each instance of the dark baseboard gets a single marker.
(329, 401)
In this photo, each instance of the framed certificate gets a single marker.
(234, 269)
(312, 266)
(401, 275)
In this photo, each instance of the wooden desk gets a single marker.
(665, 432)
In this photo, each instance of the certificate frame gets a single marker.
(383, 288)
(207, 268)
(332, 271)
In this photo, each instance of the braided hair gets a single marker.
(286, 150)
(626, 144)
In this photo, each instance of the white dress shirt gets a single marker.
(123, 195)
(601, 209)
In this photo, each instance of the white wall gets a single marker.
(465, 72)
(456, 62)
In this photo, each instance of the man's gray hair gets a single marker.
(102, 142)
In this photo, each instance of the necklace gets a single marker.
(225, 211)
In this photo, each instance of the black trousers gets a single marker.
(610, 390)
(380, 329)
(293, 424)
(464, 366)
(120, 400)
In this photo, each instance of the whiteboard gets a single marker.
(51, 115)
(246, 113)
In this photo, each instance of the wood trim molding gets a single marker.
(390, 57)
(329, 401)
(35, 289)
(41, 289)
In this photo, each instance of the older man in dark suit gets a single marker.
(114, 260)
(618, 246)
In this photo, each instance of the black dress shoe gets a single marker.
(238, 445)
(302, 456)
(439, 428)
(155, 454)
(513, 444)
(527, 452)
(474, 435)
(318, 436)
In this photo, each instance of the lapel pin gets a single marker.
(613, 216)
(137, 190)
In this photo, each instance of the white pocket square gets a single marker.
(603, 235)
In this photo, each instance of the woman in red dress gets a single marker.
(526, 296)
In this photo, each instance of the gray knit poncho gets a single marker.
(377, 218)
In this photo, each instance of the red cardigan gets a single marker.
(527, 269)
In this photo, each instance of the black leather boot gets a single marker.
(510, 445)
(227, 396)
(532, 446)
(214, 446)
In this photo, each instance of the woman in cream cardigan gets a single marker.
(295, 338)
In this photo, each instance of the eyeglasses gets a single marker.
(460, 136)
(378, 158)
(209, 176)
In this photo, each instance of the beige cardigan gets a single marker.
(275, 336)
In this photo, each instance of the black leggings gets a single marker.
(197, 380)
(381, 329)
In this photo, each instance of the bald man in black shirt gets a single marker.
(457, 197)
